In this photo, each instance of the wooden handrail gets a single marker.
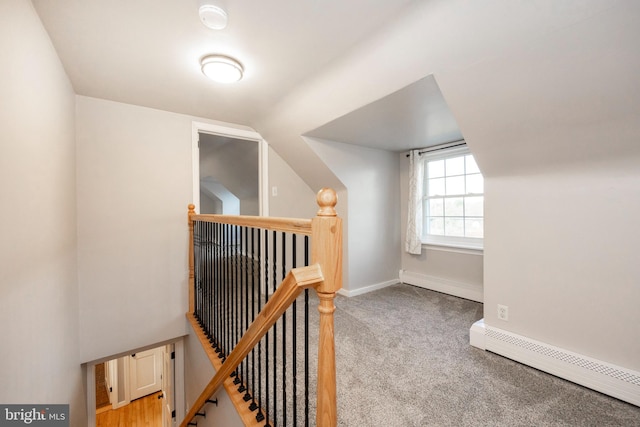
(293, 284)
(288, 225)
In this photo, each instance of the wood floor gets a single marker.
(143, 412)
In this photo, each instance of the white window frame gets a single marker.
(438, 240)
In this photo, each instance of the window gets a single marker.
(453, 199)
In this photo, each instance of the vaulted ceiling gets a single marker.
(526, 82)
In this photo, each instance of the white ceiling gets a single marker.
(147, 52)
(413, 117)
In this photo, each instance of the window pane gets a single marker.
(435, 207)
(435, 169)
(474, 227)
(454, 227)
(474, 206)
(455, 166)
(453, 198)
(454, 207)
(475, 184)
(472, 166)
(436, 187)
(455, 185)
(435, 226)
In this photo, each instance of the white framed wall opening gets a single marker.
(225, 193)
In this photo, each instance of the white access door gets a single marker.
(145, 372)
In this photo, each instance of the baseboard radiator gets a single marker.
(604, 377)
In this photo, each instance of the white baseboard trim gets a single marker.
(616, 381)
(446, 286)
(367, 289)
(477, 335)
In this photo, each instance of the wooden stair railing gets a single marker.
(324, 276)
(296, 281)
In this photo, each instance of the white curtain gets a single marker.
(413, 240)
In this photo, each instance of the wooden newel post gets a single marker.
(326, 240)
(192, 304)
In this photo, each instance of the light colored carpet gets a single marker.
(404, 359)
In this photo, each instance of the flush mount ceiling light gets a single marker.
(221, 69)
(212, 16)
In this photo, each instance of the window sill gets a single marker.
(457, 248)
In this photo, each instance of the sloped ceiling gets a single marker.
(523, 80)
(498, 64)
(415, 116)
(147, 52)
(567, 100)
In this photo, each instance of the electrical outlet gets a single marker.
(503, 312)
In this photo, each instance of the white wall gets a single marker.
(198, 372)
(294, 198)
(372, 242)
(562, 256)
(554, 127)
(134, 184)
(38, 283)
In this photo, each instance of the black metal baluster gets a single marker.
(200, 298)
(196, 265)
(306, 338)
(238, 300)
(220, 286)
(254, 257)
(266, 342)
(223, 293)
(215, 261)
(227, 290)
(216, 273)
(198, 283)
(206, 274)
(284, 336)
(246, 258)
(200, 290)
(294, 334)
(229, 284)
(218, 290)
(234, 298)
(209, 299)
(203, 286)
(275, 330)
(229, 287)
